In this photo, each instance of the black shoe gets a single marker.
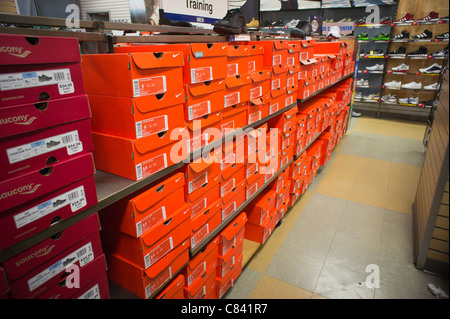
(232, 23)
(402, 36)
(400, 52)
(44, 78)
(302, 30)
(426, 34)
(421, 52)
(428, 104)
(443, 36)
(278, 23)
(441, 53)
(385, 20)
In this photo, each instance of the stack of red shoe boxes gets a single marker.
(147, 236)
(47, 175)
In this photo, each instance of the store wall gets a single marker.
(119, 10)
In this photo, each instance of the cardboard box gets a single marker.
(260, 208)
(87, 276)
(293, 57)
(35, 68)
(225, 265)
(173, 290)
(36, 215)
(137, 215)
(198, 289)
(146, 282)
(279, 80)
(19, 119)
(98, 289)
(258, 109)
(199, 263)
(137, 117)
(238, 197)
(224, 284)
(244, 59)
(199, 172)
(260, 233)
(203, 99)
(308, 69)
(232, 235)
(261, 84)
(233, 118)
(47, 275)
(275, 51)
(202, 200)
(206, 223)
(153, 245)
(292, 79)
(137, 159)
(237, 89)
(204, 130)
(16, 191)
(229, 183)
(307, 49)
(24, 153)
(133, 74)
(202, 61)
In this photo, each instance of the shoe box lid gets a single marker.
(173, 289)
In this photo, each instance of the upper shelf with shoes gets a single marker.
(431, 18)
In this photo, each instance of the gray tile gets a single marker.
(368, 145)
(408, 151)
(296, 269)
(244, 285)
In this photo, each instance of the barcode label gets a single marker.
(139, 129)
(67, 139)
(59, 76)
(139, 172)
(136, 91)
(14, 81)
(93, 293)
(81, 253)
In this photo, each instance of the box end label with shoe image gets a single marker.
(149, 86)
(152, 126)
(151, 166)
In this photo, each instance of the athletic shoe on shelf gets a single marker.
(376, 67)
(413, 100)
(433, 16)
(403, 68)
(400, 52)
(443, 36)
(425, 35)
(232, 23)
(377, 53)
(302, 29)
(432, 87)
(441, 53)
(432, 69)
(358, 96)
(362, 82)
(361, 53)
(389, 98)
(381, 37)
(403, 100)
(393, 85)
(278, 23)
(412, 86)
(420, 52)
(363, 37)
(293, 23)
(444, 19)
(385, 20)
(408, 18)
(371, 97)
(428, 104)
(404, 35)
(335, 33)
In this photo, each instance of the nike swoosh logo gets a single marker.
(23, 55)
(175, 55)
(178, 95)
(224, 47)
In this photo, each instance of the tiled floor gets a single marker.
(357, 213)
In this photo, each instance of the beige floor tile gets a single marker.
(271, 288)
(399, 204)
(249, 249)
(369, 194)
(391, 128)
(316, 296)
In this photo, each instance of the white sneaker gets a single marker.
(362, 82)
(412, 85)
(371, 97)
(413, 100)
(389, 98)
(403, 101)
(393, 85)
(376, 67)
(432, 87)
(403, 68)
(432, 69)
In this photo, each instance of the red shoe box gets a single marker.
(227, 265)
(24, 153)
(98, 289)
(203, 99)
(293, 57)
(49, 178)
(237, 89)
(200, 130)
(36, 215)
(275, 51)
(233, 118)
(48, 274)
(261, 207)
(258, 109)
(237, 199)
(35, 68)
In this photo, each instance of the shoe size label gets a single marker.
(273, 108)
(228, 187)
(149, 86)
(251, 66)
(76, 198)
(83, 255)
(198, 182)
(158, 282)
(60, 77)
(199, 235)
(252, 170)
(256, 92)
(70, 141)
(151, 220)
(199, 110)
(276, 60)
(291, 61)
(201, 75)
(289, 101)
(232, 69)
(276, 84)
(254, 117)
(252, 190)
(196, 273)
(227, 127)
(227, 266)
(196, 142)
(232, 99)
(228, 210)
(152, 126)
(158, 252)
(151, 166)
(199, 207)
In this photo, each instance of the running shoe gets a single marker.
(394, 85)
(420, 52)
(403, 100)
(389, 98)
(376, 67)
(412, 85)
(425, 35)
(443, 36)
(413, 100)
(377, 53)
(363, 37)
(381, 37)
(408, 18)
(432, 87)
(404, 35)
(400, 52)
(441, 53)
(403, 68)
(432, 69)
(433, 16)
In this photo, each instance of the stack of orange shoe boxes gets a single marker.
(257, 156)
(231, 241)
(134, 98)
(200, 273)
(47, 169)
(298, 173)
(308, 71)
(281, 185)
(147, 237)
(300, 135)
(173, 290)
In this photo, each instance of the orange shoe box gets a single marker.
(237, 198)
(292, 79)
(174, 289)
(200, 288)
(255, 186)
(232, 236)
(137, 117)
(279, 184)
(200, 172)
(261, 84)
(146, 282)
(141, 213)
(258, 109)
(233, 118)
(201, 201)
(275, 51)
(293, 57)
(206, 223)
(259, 209)
(203, 99)
(237, 89)
(233, 155)
(244, 59)
(256, 58)
(307, 49)
(224, 284)
(153, 245)
(202, 61)
(228, 183)
(132, 74)
(260, 233)
(199, 263)
(226, 265)
(279, 79)
(135, 159)
(283, 203)
(308, 69)
(201, 129)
